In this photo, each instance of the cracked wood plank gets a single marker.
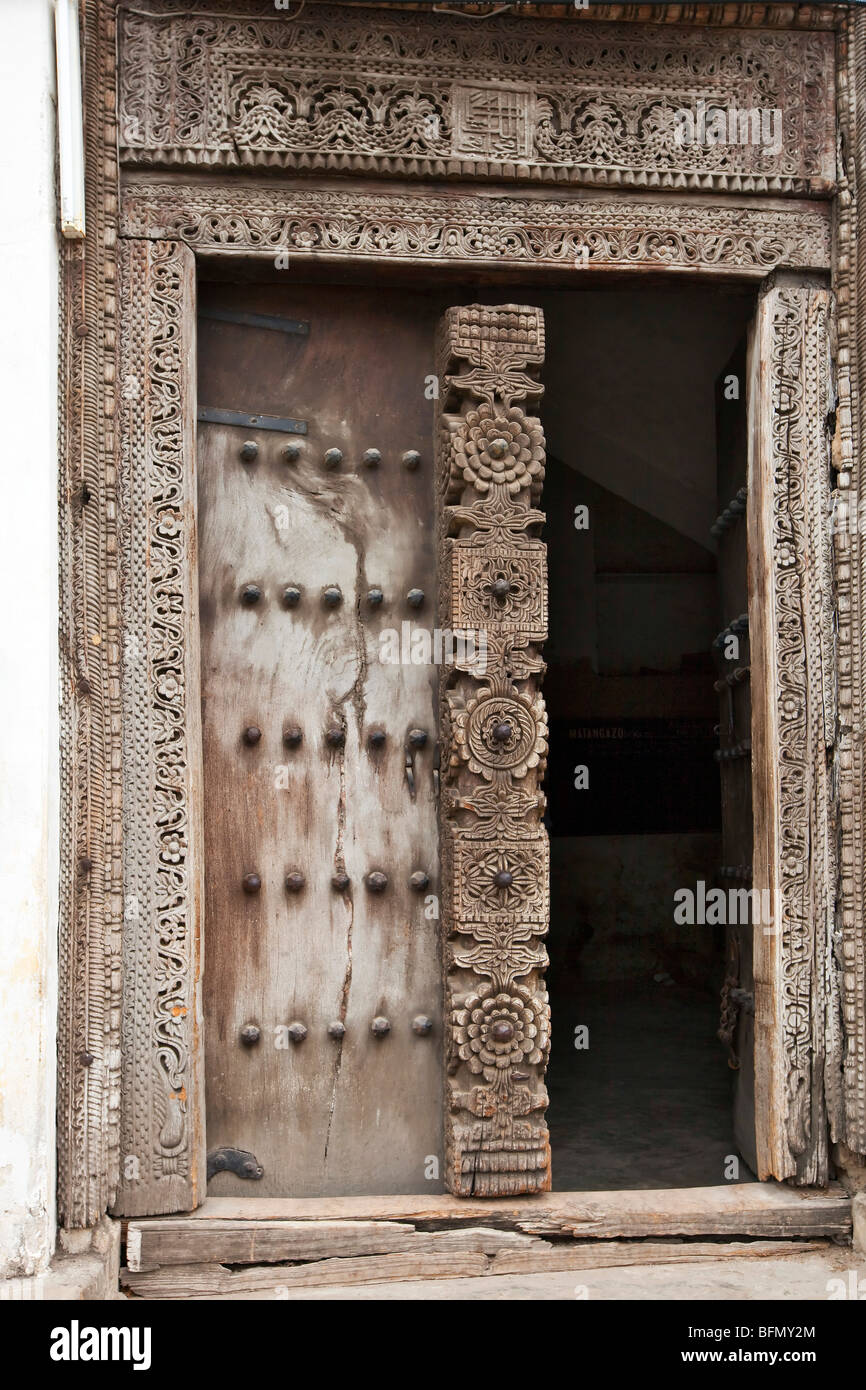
(154, 1244)
(329, 1115)
(744, 1209)
(215, 1281)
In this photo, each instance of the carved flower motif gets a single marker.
(503, 880)
(500, 733)
(494, 1031)
(304, 238)
(169, 686)
(508, 587)
(169, 525)
(507, 449)
(173, 849)
(790, 707)
(786, 555)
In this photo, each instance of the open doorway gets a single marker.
(644, 449)
(644, 414)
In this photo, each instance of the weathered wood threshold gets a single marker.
(243, 1246)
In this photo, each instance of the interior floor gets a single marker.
(647, 1104)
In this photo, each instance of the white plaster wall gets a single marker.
(29, 764)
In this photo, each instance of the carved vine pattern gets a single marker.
(494, 847)
(805, 701)
(566, 233)
(161, 892)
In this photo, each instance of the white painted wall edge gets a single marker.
(29, 690)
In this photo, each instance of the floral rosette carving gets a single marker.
(500, 735)
(503, 449)
(500, 878)
(497, 1031)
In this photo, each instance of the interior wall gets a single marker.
(628, 396)
(612, 899)
(629, 414)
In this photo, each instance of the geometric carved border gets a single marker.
(848, 1095)
(89, 983)
(162, 1122)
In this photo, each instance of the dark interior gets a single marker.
(639, 1084)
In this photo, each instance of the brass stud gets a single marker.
(297, 1032)
(250, 594)
(336, 1030)
(295, 881)
(422, 1025)
(371, 458)
(291, 596)
(502, 732)
(377, 738)
(415, 598)
(335, 736)
(411, 459)
(293, 736)
(502, 1031)
(380, 1027)
(374, 597)
(332, 596)
(250, 1034)
(419, 881)
(340, 882)
(252, 734)
(376, 881)
(251, 883)
(291, 453)
(249, 450)
(503, 879)
(332, 458)
(417, 738)
(501, 588)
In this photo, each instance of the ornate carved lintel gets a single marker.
(426, 96)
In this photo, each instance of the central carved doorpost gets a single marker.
(493, 599)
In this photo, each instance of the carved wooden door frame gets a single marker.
(131, 1124)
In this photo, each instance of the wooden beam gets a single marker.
(207, 1281)
(744, 1209)
(153, 1244)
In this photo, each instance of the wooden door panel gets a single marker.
(326, 1115)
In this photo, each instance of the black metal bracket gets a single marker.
(276, 322)
(238, 1161)
(213, 415)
